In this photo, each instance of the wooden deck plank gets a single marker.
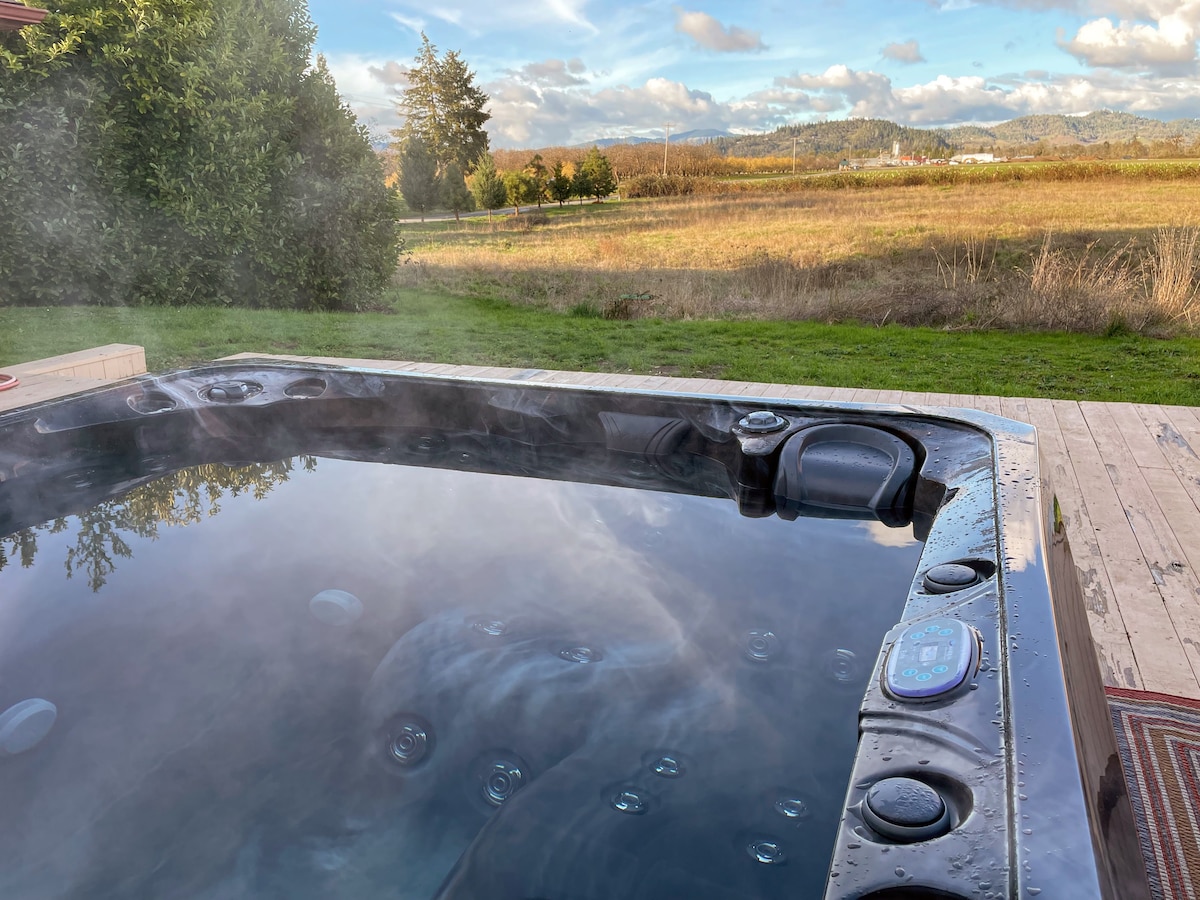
(987, 404)
(41, 388)
(1016, 408)
(756, 390)
(1123, 510)
(1178, 451)
(1178, 583)
(1118, 662)
(1138, 438)
(808, 392)
(1161, 661)
(776, 391)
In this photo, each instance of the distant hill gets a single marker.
(865, 137)
(696, 136)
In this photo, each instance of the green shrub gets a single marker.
(183, 152)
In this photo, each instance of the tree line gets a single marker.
(441, 152)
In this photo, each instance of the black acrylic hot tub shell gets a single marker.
(1020, 753)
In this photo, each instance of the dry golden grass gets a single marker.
(1064, 255)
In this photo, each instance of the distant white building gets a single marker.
(962, 158)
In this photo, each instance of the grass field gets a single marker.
(433, 327)
(1089, 256)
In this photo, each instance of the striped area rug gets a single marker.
(1159, 739)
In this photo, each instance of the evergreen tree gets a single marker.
(443, 106)
(487, 186)
(536, 170)
(455, 195)
(599, 174)
(560, 184)
(520, 189)
(418, 175)
(581, 184)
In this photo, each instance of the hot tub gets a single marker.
(288, 631)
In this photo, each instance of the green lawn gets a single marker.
(452, 330)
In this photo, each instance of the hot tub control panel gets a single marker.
(932, 657)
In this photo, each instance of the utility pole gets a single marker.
(666, 141)
(794, 140)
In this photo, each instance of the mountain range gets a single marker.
(695, 136)
(864, 137)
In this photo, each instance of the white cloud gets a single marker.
(712, 35)
(489, 17)
(412, 23)
(526, 115)
(907, 52)
(371, 87)
(950, 100)
(552, 72)
(391, 73)
(453, 16)
(1167, 46)
(1137, 35)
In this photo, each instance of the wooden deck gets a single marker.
(46, 379)
(1127, 477)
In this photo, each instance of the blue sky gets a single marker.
(569, 71)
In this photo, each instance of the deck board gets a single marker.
(1118, 661)
(1156, 643)
(1127, 477)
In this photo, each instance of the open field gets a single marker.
(1090, 256)
(433, 327)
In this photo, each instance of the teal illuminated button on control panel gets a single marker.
(930, 658)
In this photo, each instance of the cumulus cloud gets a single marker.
(1157, 36)
(525, 115)
(907, 52)
(391, 73)
(552, 72)
(950, 100)
(1167, 45)
(712, 35)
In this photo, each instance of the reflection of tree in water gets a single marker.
(181, 498)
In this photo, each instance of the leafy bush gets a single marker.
(179, 152)
(666, 186)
